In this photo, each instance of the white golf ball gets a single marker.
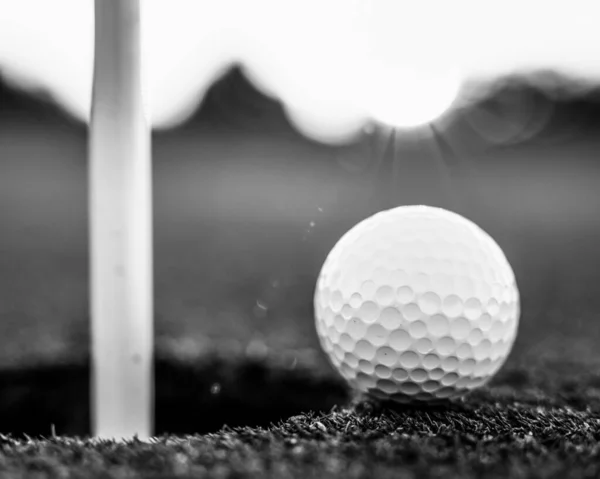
(416, 304)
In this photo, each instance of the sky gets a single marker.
(334, 64)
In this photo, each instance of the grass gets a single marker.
(296, 422)
(243, 392)
(469, 440)
(277, 411)
(190, 398)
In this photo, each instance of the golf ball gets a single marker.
(416, 304)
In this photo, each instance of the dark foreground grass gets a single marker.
(530, 422)
(468, 440)
(191, 397)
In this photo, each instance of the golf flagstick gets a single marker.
(120, 229)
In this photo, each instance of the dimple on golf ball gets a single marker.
(416, 304)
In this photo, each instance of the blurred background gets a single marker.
(272, 127)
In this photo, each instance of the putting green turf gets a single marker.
(288, 415)
(489, 435)
(237, 257)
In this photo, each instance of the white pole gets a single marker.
(120, 229)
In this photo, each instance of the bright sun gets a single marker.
(408, 97)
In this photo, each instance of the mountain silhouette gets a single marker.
(234, 105)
